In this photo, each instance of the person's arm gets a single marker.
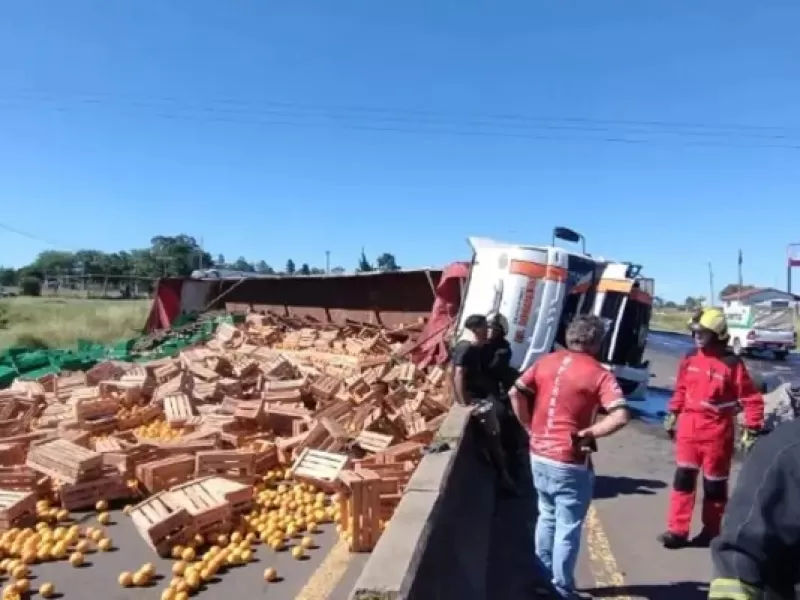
(611, 398)
(749, 397)
(678, 399)
(522, 396)
(460, 353)
(761, 524)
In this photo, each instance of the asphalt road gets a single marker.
(98, 577)
(664, 350)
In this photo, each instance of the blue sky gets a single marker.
(283, 129)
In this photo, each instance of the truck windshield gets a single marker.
(773, 319)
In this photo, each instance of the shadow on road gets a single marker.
(685, 590)
(512, 570)
(610, 487)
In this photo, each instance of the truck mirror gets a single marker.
(569, 235)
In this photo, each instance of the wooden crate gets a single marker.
(16, 507)
(372, 441)
(178, 409)
(140, 416)
(360, 509)
(22, 479)
(12, 454)
(210, 511)
(107, 444)
(161, 523)
(128, 458)
(95, 408)
(162, 474)
(110, 486)
(319, 468)
(65, 461)
(237, 465)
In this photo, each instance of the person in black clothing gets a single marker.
(497, 359)
(474, 387)
(757, 553)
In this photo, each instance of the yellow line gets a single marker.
(323, 581)
(602, 563)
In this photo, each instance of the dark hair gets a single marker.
(585, 332)
(474, 322)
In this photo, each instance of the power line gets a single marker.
(35, 237)
(298, 117)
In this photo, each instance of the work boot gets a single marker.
(703, 539)
(673, 541)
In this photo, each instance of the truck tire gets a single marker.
(780, 354)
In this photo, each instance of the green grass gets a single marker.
(52, 322)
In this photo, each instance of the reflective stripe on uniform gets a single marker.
(733, 589)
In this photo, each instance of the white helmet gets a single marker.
(497, 321)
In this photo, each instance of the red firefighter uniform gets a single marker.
(712, 387)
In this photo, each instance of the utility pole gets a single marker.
(741, 280)
(711, 284)
(327, 261)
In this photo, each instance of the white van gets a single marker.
(539, 289)
(761, 327)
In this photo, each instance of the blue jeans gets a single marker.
(564, 495)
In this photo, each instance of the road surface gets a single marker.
(620, 557)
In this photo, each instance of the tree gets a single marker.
(263, 268)
(364, 265)
(337, 270)
(658, 302)
(290, 268)
(241, 264)
(31, 286)
(387, 262)
(8, 277)
(305, 269)
(317, 271)
(220, 262)
(670, 304)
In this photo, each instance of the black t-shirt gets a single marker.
(471, 358)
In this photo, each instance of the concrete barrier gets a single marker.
(437, 544)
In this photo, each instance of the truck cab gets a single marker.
(761, 327)
(539, 289)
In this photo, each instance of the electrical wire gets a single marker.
(296, 115)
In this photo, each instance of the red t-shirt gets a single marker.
(569, 388)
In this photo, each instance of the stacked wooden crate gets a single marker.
(335, 402)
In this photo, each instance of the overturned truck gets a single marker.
(539, 289)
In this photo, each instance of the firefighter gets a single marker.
(757, 553)
(696, 314)
(712, 387)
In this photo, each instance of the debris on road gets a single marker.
(258, 436)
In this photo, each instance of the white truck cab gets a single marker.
(539, 289)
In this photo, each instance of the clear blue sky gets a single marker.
(227, 121)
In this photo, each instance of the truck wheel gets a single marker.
(737, 347)
(780, 354)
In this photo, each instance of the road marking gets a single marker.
(323, 581)
(602, 563)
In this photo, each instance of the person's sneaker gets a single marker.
(673, 541)
(703, 539)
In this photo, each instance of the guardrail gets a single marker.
(437, 543)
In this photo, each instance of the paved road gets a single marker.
(98, 578)
(620, 557)
(664, 350)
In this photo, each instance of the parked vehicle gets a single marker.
(762, 328)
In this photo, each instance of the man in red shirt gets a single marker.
(567, 389)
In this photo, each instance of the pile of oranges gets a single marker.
(50, 540)
(285, 516)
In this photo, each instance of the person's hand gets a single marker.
(747, 439)
(670, 422)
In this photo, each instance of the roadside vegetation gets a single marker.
(54, 322)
